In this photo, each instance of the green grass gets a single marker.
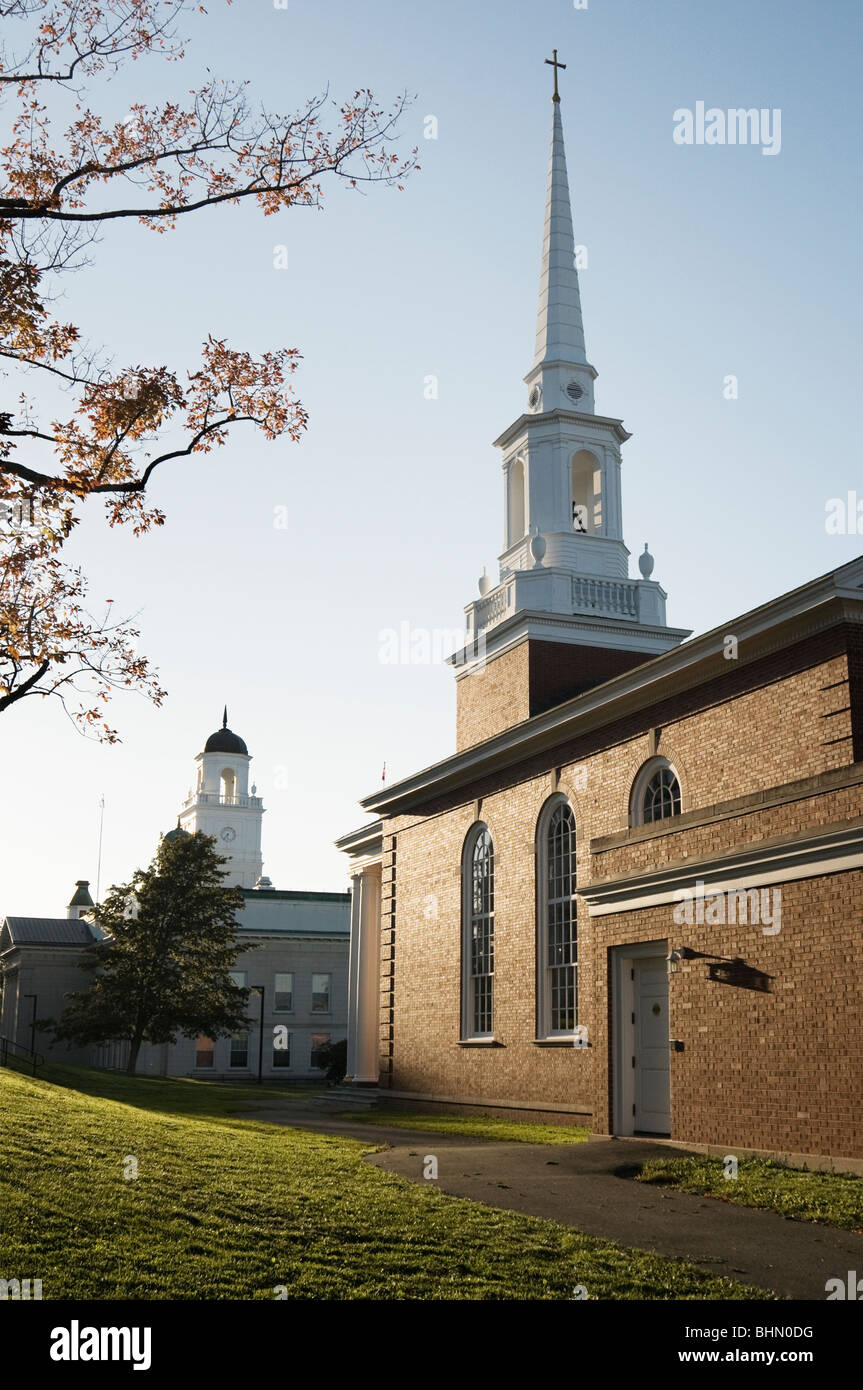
(227, 1207)
(177, 1095)
(831, 1199)
(473, 1126)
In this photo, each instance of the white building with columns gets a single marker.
(294, 958)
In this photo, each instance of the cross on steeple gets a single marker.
(552, 62)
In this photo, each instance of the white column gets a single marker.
(365, 980)
(353, 965)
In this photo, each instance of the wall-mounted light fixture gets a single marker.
(676, 955)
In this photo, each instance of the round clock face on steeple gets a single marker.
(228, 834)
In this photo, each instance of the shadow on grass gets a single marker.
(206, 1100)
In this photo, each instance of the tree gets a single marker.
(163, 968)
(61, 182)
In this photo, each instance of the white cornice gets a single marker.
(578, 630)
(548, 417)
(833, 849)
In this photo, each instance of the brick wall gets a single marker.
(778, 1070)
(746, 732)
(493, 698)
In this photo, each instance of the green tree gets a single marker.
(163, 968)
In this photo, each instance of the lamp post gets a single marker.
(34, 997)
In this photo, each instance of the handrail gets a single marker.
(7, 1046)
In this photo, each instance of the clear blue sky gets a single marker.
(704, 261)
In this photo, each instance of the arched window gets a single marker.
(586, 492)
(517, 510)
(478, 934)
(655, 793)
(229, 784)
(557, 923)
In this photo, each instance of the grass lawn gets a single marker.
(227, 1207)
(832, 1199)
(474, 1126)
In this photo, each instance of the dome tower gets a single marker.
(222, 805)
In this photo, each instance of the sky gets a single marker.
(283, 565)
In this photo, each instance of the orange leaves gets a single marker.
(162, 162)
(232, 386)
(61, 178)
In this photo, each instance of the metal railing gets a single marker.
(8, 1047)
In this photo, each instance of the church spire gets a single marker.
(559, 324)
(560, 345)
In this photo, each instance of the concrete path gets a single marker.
(589, 1186)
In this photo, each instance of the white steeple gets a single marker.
(564, 568)
(561, 372)
(222, 806)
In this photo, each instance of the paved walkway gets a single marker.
(588, 1186)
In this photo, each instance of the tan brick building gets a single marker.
(632, 896)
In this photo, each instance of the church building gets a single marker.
(632, 898)
(295, 961)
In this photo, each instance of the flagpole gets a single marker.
(99, 857)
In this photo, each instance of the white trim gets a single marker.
(835, 851)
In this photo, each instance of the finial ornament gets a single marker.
(645, 562)
(537, 549)
(555, 64)
(225, 718)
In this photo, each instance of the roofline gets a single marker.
(838, 594)
(365, 837)
(287, 933)
(293, 895)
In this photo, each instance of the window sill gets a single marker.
(479, 1042)
(572, 1043)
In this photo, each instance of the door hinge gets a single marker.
(633, 1061)
(632, 974)
(633, 1109)
(633, 1018)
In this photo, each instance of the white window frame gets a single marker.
(277, 975)
(639, 787)
(544, 1031)
(468, 1032)
(319, 974)
(238, 1066)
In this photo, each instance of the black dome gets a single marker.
(225, 741)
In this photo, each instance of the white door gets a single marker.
(652, 1114)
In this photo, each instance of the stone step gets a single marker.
(350, 1097)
